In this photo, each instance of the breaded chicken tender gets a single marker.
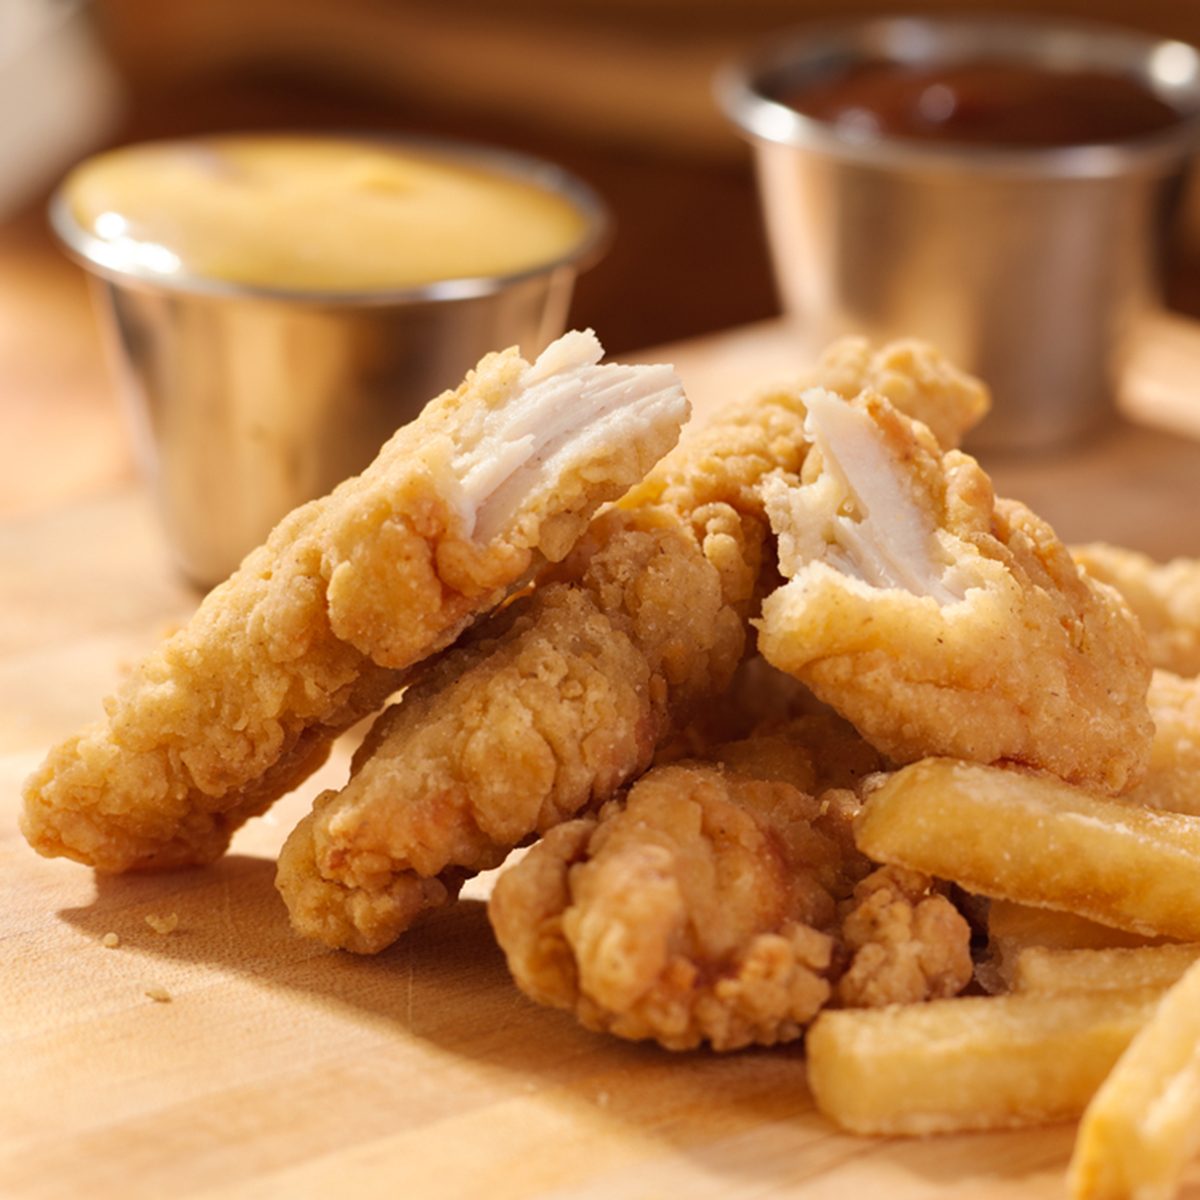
(706, 909)
(1165, 597)
(939, 620)
(317, 627)
(689, 914)
(558, 703)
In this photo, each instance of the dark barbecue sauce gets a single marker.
(983, 104)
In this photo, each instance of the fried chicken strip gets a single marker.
(704, 910)
(1165, 597)
(643, 623)
(941, 621)
(317, 626)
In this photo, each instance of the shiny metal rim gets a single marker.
(1170, 68)
(94, 253)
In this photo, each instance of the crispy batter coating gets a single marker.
(495, 740)
(674, 569)
(905, 942)
(687, 915)
(940, 620)
(1165, 597)
(316, 627)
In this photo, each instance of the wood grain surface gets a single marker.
(280, 1069)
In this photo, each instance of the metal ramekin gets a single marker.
(1028, 267)
(246, 401)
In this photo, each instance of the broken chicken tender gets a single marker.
(1018, 836)
(1143, 1125)
(316, 627)
(690, 914)
(973, 1063)
(939, 620)
(1165, 598)
(1039, 969)
(666, 577)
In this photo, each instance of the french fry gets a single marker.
(1143, 1125)
(1011, 834)
(1039, 969)
(1013, 928)
(983, 1062)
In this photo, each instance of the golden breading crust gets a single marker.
(675, 568)
(555, 706)
(316, 627)
(941, 621)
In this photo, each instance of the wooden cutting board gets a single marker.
(280, 1069)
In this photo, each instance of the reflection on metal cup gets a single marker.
(1025, 266)
(247, 401)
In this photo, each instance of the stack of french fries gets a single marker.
(1094, 951)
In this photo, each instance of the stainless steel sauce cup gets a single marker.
(1027, 267)
(246, 401)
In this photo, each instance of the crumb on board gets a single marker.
(111, 940)
(161, 924)
(157, 993)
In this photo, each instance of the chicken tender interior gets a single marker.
(566, 409)
(855, 512)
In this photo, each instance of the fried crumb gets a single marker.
(157, 993)
(110, 941)
(163, 925)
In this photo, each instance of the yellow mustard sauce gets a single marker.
(316, 214)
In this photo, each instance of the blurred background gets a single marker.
(617, 91)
